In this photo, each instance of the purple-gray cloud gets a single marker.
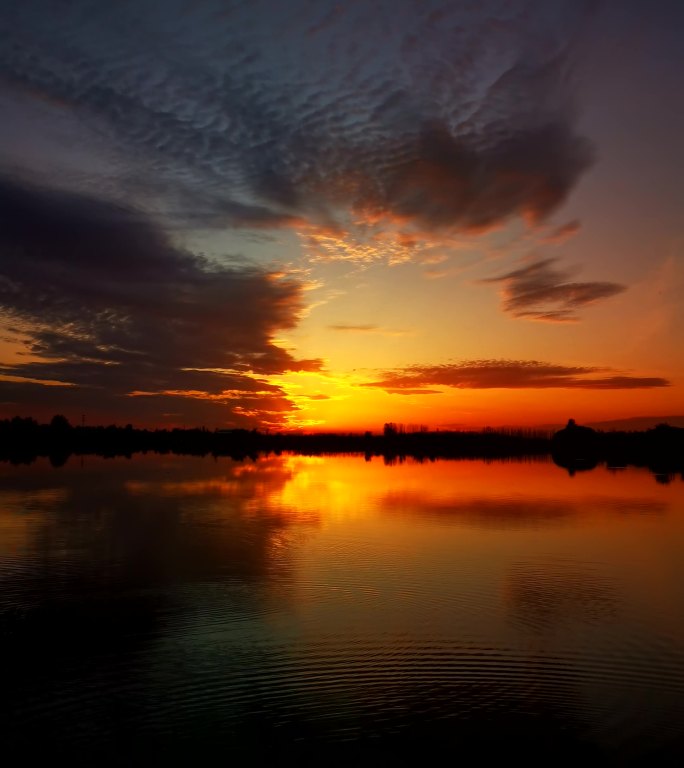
(507, 374)
(539, 291)
(265, 114)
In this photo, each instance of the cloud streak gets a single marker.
(370, 329)
(539, 291)
(507, 374)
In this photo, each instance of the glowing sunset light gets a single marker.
(335, 217)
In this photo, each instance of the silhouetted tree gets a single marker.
(391, 429)
(60, 423)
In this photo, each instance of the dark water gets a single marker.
(337, 611)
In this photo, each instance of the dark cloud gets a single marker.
(449, 182)
(541, 292)
(267, 115)
(507, 374)
(110, 305)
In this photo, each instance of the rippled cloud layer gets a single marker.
(436, 116)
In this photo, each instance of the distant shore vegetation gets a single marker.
(661, 449)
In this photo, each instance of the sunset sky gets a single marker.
(329, 215)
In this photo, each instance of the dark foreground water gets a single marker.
(177, 610)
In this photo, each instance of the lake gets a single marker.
(336, 610)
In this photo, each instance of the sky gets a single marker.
(320, 215)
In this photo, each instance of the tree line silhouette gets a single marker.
(661, 449)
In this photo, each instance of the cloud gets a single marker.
(563, 233)
(446, 182)
(507, 374)
(408, 391)
(110, 306)
(538, 291)
(367, 329)
(266, 115)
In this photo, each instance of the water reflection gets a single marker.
(101, 562)
(119, 525)
(512, 495)
(549, 597)
(339, 609)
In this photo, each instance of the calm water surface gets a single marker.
(335, 610)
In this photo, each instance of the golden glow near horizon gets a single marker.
(340, 404)
(383, 317)
(339, 398)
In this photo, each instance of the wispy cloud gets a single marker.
(368, 329)
(562, 233)
(507, 374)
(539, 291)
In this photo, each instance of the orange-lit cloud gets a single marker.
(361, 242)
(507, 374)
